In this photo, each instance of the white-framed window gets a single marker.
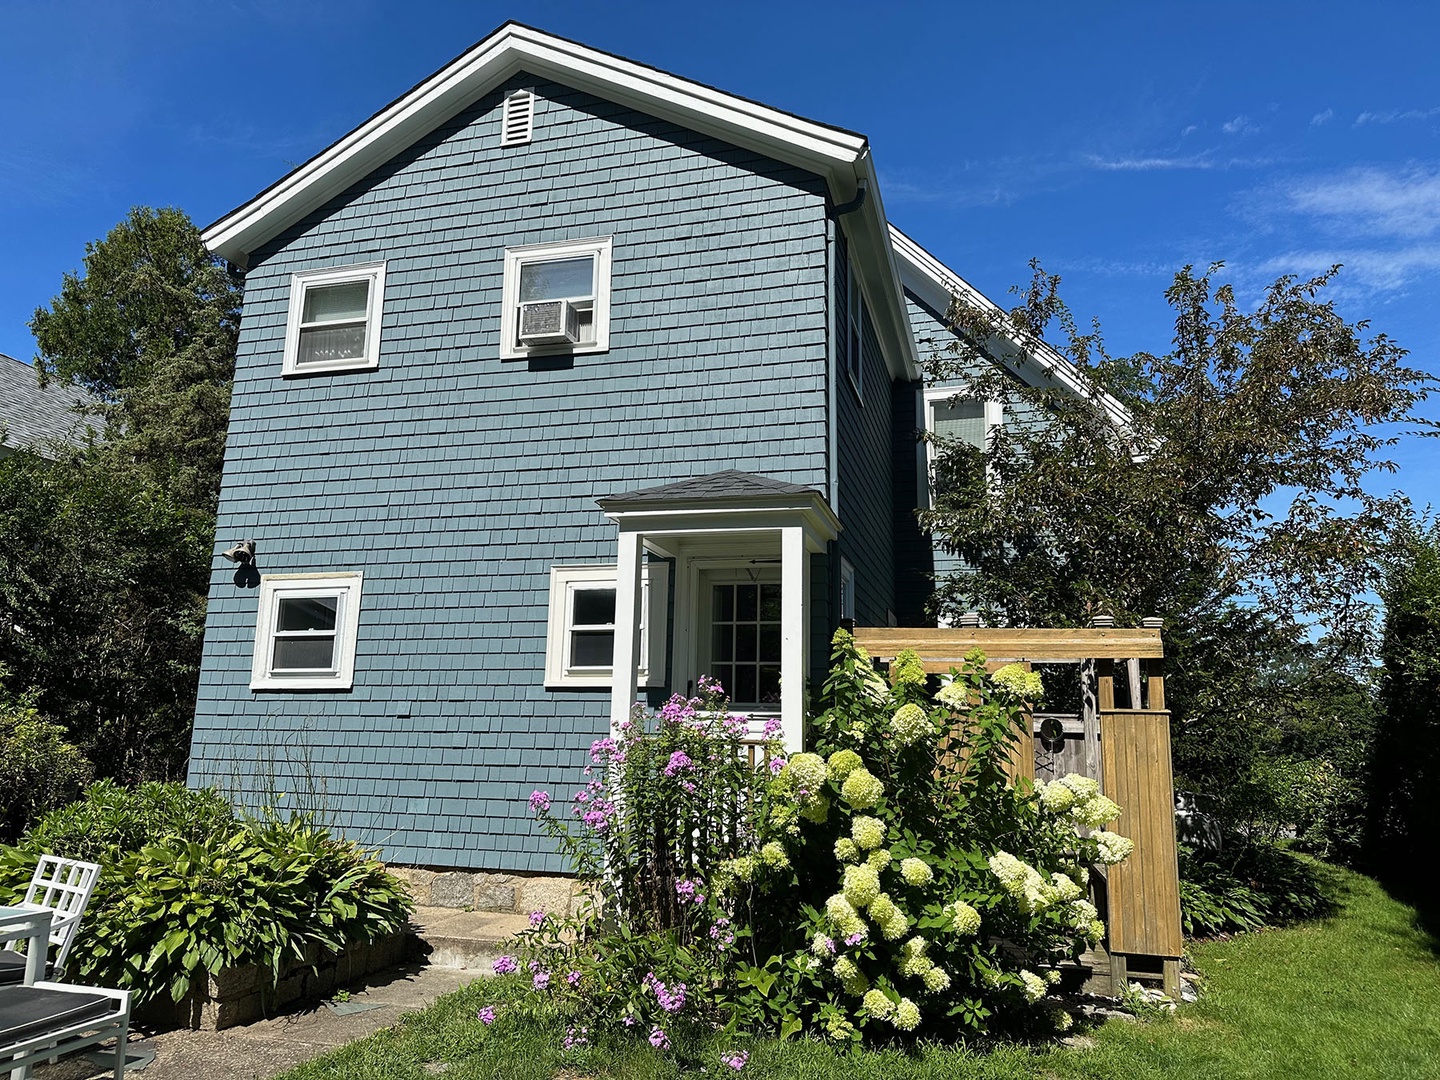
(855, 335)
(847, 589)
(580, 645)
(970, 421)
(334, 322)
(556, 299)
(305, 632)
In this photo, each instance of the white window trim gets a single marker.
(855, 333)
(274, 587)
(374, 273)
(655, 595)
(994, 419)
(515, 257)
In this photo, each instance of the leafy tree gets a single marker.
(1237, 502)
(105, 554)
(1406, 770)
(151, 328)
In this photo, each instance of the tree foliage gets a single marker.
(105, 552)
(1237, 500)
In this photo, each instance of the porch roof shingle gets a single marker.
(728, 484)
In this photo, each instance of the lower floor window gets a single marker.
(580, 650)
(305, 632)
(745, 640)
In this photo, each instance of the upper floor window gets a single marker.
(966, 421)
(334, 322)
(851, 331)
(306, 630)
(556, 299)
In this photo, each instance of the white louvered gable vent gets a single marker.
(518, 122)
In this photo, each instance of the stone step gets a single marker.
(465, 939)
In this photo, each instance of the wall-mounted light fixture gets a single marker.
(242, 553)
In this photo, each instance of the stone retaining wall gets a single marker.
(484, 891)
(241, 995)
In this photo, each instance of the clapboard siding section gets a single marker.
(455, 480)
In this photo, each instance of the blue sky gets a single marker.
(1115, 142)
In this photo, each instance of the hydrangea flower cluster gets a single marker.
(1113, 847)
(861, 789)
(916, 872)
(911, 724)
(868, 833)
(964, 919)
(772, 854)
(1021, 683)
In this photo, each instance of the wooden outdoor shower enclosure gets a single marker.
(1126, 749)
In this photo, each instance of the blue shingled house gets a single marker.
(561, 382)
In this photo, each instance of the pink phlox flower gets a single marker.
(541, 980)
(575, 1037)
(772, 727)
(536, 918)
(505, 965)
(601, 749)
(572, 977)
(539, 801)
(854, 939)
(628, 1020)
(677, 709)
(659, 1040)
(736, 1060)
(689, 892)
(828, 944)
(776, 765)
(679, 762)
(688, 786)
(708, 685)
(582, 796)
(486, 1014)
(721, 934)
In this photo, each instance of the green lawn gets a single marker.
(1355, 996)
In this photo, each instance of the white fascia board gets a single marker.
(936, 284)
(827, 151)
(880, 275)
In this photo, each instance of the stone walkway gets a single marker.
(461, 946)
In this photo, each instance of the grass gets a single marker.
(1353, 996)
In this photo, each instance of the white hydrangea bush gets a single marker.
(909, 859)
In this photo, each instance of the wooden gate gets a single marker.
(1127, 750)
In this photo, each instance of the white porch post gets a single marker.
(794, 603)
(627, 630)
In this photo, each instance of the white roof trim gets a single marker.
(936, 284)
(831, 152)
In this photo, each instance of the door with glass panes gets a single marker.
(740, 636)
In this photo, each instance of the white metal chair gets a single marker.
(62, 887)
(42, 1020)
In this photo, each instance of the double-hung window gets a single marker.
(334, 322)
(581, 645)
(968, 422)
(556, 299)
(306, 631)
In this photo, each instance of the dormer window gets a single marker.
(334, 322)
(556, 299)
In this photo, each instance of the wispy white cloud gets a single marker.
(1365, 269)
(1206, 159)
(1241, 125)
(1404, 204)
(1322, 118)
(1190, 130)
(1395, 116)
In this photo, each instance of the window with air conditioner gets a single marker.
(305, 632)
(556, 299)
(580, 645)
(334, 321)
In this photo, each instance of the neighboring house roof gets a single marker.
(936, 285)
(38, 416)
(841, 157)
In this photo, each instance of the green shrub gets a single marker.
(186, 889)
(39, 770)
(1263, 886)
(112, 820)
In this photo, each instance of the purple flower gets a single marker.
(659, 1040)
(854, 939)
(572, 977)
(542, 980)
(536, 918)
(505, 965)
(539, 801)
(575, 1037)
(600, 749)
(776, 765)
(773, 726)
(735, 1060)
(486, 1015)
(628, 1020)
(679, 762)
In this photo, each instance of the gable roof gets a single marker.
(34, 415)
(935, 284)
(840, 157)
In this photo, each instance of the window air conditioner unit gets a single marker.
(549, 322)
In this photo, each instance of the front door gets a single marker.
(739, 639)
